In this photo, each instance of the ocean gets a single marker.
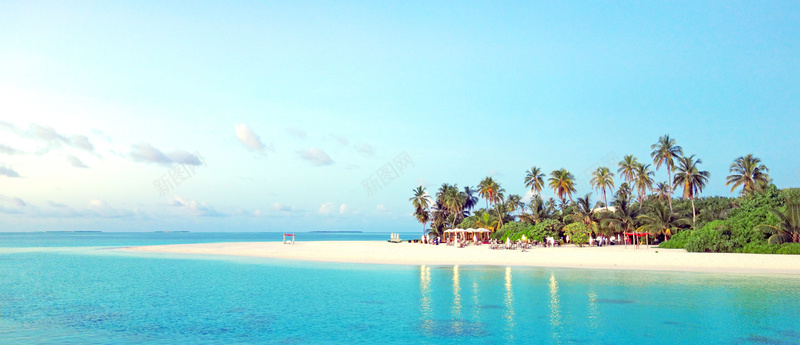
(75, 288)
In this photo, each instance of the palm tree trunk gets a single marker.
(605, 200)
(669, 184)
(694, 213)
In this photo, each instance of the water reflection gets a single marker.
(593, 313)
(509, 302)
(457, 325)
(425, 292)
(555, 310)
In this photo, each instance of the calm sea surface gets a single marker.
(72, 288)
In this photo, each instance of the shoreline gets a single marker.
(607, 257)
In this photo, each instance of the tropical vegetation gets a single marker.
(760, 218)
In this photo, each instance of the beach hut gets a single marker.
(288, 235)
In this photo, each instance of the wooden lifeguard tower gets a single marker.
(288, 235)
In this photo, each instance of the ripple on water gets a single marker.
(454, 328)
(614, 301)
(491, 306)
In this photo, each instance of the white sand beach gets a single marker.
(608, 257)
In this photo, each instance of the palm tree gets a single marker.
(644, 181)
(788, 228)
(584, 212)
(662, 191)
(471, 200)
(488, 221)
(624, 191)
(623, 219)
(514, 203)
(454, 201)
(603, 178)
(421, 203)
(539, 210)
(664, 151)
(485, 189)
(534, 179)
(627, 168)
(491, 191)
(691, 179)
(562, 183)
(661, 221)
(749, 173)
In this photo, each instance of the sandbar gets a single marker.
(607, 257)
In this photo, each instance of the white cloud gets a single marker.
(316, 156)
(8, 171)
(13, 201)
(195, 208)
(249, 138)
(325, 208)
(342, 140)
(100, 208)
(76, 162)
(97, 203)
(146, 153)
(282, 207)
(365, 150)
(381, 208)
(528, 196)
(54, 139)
(342, 208)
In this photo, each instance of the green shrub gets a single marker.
(677, 241)
(789, 248)
(514, 231)
(578, 233)
(546, 228)
(713, 237)
(760, 248)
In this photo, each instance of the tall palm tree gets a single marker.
(691, 179)
(471, 200)
(748, 173)
(644, 181)
(514, 203)
(662, 191)
(454, 201)
(534, 179)
(421, 203)
(562, 182)
(603, 178)
(492, 192)
(627, 168)
(664, 151)
(661, 221)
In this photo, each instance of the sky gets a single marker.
(311, 115)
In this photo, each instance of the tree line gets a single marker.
(638, 202)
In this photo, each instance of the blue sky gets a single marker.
(278, 111)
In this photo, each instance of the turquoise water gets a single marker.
(74, 294)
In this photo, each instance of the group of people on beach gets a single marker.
(523, 242)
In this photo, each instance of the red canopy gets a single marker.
(638, 234)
